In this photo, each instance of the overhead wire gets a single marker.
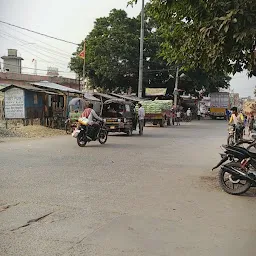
(32, 31)
(25, 46)
(57, 51)
(33, 54)
(12, 65)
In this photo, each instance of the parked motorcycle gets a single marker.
(237, 176)
(85, 130)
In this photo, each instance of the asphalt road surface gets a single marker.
(151, 195)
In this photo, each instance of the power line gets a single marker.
(46, 61)
(60, 71)
(34, 68)
(60, 51)
(32, 31)
(26, 42)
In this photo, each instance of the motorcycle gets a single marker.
(235, 134)
(85, 130)
(239, 175)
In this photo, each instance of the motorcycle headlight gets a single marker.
(119, 120)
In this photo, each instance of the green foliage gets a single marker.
(112, 57)
(215, 36)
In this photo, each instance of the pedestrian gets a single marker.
(141, 117)
(178, 116)
(173, 117)
(251, 123)
(189, 114)
(198, 114)
(227, 114)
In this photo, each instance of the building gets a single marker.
(51, 71)
(12, 63)
(23, 79)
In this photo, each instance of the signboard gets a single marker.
(155, 91)
(14, 103)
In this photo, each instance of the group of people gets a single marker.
(176, 115)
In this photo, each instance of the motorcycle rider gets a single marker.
(237, 120)
(90, 114)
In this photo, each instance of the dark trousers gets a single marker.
(141, 126)
(93, 130)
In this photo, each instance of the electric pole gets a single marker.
(141, 51)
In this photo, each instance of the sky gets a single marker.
(68, 20)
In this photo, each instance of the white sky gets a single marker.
(69, 20)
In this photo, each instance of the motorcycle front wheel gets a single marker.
(230, 140)
(81, 140)
(103, 136)
(231, 184)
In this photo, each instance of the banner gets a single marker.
(155, 91)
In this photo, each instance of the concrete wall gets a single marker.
(21, 79)
(13, 65)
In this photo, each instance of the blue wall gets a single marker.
(29, 99)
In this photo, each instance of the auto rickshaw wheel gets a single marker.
(129, 132)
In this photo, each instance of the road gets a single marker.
(151, 195)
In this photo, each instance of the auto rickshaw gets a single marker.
(119, 116)
(76, 108)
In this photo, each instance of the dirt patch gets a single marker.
(209, 183)
(35, 131)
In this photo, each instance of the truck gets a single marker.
(219, 102)
(157, 111)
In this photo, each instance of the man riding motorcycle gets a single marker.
(237, 120)
(90, 114)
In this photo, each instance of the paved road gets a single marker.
(151, 195)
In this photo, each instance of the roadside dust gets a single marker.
(30, 131)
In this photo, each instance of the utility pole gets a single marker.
(176, 87)
(84, 67)
(141, 51)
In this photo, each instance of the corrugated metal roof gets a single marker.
(90, 97)
(126, 97)
(27, 87)
(107, 96)
(55, 86)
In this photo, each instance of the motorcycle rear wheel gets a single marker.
(103, 136)
(237, 186)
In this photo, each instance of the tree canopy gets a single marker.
(112, 58)
(212, 35)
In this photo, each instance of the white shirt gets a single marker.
(178, 114)
(188, 112)
(141, 113)
(93, 115)
(198, 112)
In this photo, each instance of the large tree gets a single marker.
(112, 53)
(112, 58)
(214, 35)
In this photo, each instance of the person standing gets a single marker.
(251, 123)
(189, 114)
(178, 116)
(141, 117)
(173, 117)
(198, 114)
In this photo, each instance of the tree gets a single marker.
(216, 36)
(112, 57)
